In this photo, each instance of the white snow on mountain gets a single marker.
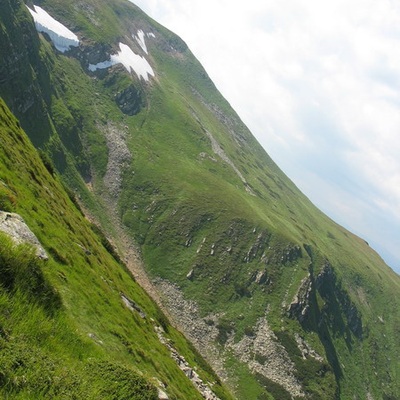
(59, 34)
(131, 61)
(140, 39)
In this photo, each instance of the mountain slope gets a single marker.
(283, 301)
(75, 325)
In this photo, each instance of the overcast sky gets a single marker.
(317, 82)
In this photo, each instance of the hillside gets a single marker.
(282, 301)
(73, 322)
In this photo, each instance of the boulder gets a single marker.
(14, 226)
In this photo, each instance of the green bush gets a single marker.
(277, 391)
(224, 330)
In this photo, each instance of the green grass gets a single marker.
(180, 199)
(63, 323)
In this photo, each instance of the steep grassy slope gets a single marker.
(197, 217)
(65, 330)
(217, 222)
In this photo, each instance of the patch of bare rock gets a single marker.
(190, 373)
(119, 157)
(14, 226)
(196, 328)
(263, 353)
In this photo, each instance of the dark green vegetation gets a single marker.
(210, 210)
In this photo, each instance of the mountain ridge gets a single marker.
(210, 213)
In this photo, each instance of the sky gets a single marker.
(317, 82)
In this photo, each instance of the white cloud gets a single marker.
(318, 84)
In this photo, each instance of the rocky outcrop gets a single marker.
(202, 332)
(190, 373)
(15, 227)
(306, 350)
(132, 305)
(162, 395)
(300, 305)
(258, 247)
(326, 275)
(337, 302)
(129, 100)
(219, 151)
(264, 355)
(232, 123)
(261, 350)
(92, 53)
(286, 255)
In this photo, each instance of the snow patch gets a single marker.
(133, 62)
(151, 34)
(101, 65)
(59, 34)
(130, 60)
(140, 39)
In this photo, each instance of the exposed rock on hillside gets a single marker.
(190, 373)
(300, 305)
(129, 100)
(306, 349)
(264, 355)
(337, 303)
(201, 331)
(132, 305)
(118, 157)
(330, 289)
(13, 225)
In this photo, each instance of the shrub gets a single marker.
(224, 330)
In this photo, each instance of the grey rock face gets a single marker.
(14, 226)
(300, 305)
(129, 100)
